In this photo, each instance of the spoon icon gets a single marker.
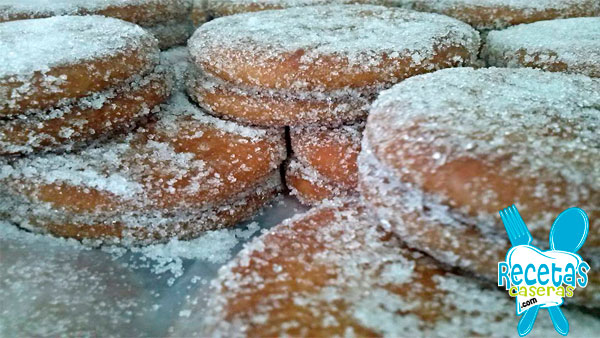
(568, 233)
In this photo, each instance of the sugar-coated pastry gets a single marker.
(566, 45)
(176, 177)
(317, 64)
(333, 271)
(442, 153)
(60, 58)
(168, 20)
(497, 14)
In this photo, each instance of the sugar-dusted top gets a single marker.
(137, 11)
(497, 14)
(521, 4)
(344, 39)
(333, 272)
(219, 8)
(571, 45)
(38, 45)
(362, 33)
(524, 122)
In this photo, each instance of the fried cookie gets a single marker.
(61, 58)
(330, 47)
(309, 186)
(332, 152)
(498, 14)
(278, 107)
(81, 121)
(176, 177)
(442, 153)
(317, 64)
(334, 272)
(167, 19)
(566, 45)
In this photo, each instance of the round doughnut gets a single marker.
(319, 48)
(309, 186)
(332, 272)
(218, 8)
(442, 153)
(179, 176)
(278, 107)
(332, 152)
(566, 45)
(166, 19)
(141, 12)
(89, 118)
(498, 14)
(68, 57)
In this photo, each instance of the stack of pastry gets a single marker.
(168, 20)
(109, 159)
(66, 81)
(317, 66)
(442, 153)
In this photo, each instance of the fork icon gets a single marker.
(518, 234)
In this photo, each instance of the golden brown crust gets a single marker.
(338, 49)
(223, 217)
(207, 144)
(84, 123)
(331, 152)
(173, 176)
(80, 79)
(454, 238)
(275, 110)
(141, 13)
(563, 45)
(307, 192)
(497, 17)
(333, 272)
(273, 72)
(463, 181)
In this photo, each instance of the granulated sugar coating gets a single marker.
(443, 152)
(272, 107)
(331, 152)
(568, 45)
(167, 20)
(56, 287)
(89, 118)
(218, 8)
(176, 59)
(334, 272)
(324, 164)
(309, 186)
(184, 174)
(142, 12)
(497, 14)
(47, 61)
(330, 47)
